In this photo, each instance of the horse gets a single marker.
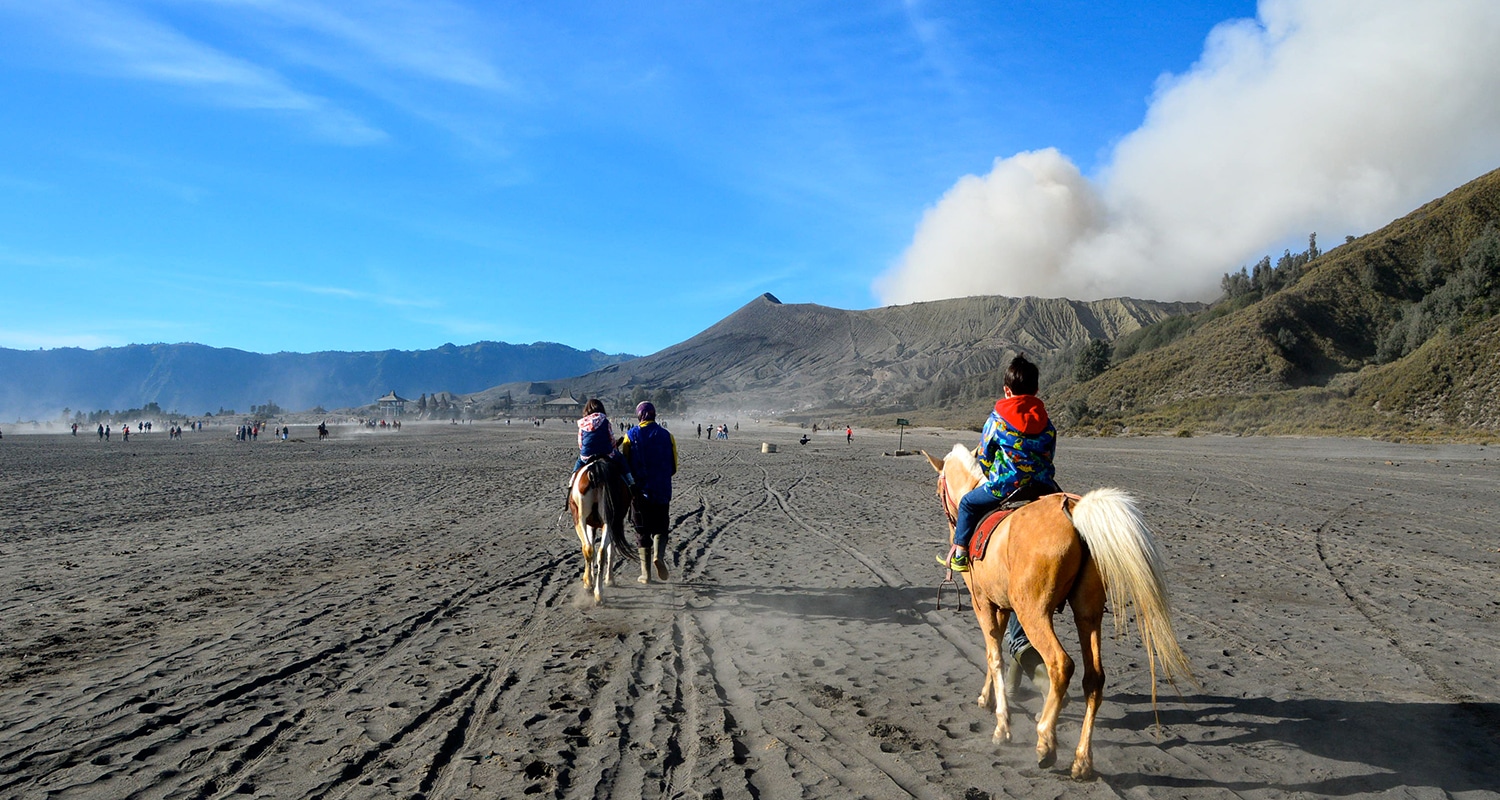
(1063, 550)
(598, 512)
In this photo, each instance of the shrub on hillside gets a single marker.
(1468, 294)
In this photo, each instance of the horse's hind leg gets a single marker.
(601, 566)
(607, 546)
(1087, 600)
(1036, 620)
(588, 554)
(992, 625)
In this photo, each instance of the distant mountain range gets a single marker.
(1394, 333)
(776, 358)
(194, 379)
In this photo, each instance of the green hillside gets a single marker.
(1394, 333)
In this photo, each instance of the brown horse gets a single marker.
(598, 503)
(1063, 550)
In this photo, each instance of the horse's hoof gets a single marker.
(1046, 760)
(1000, 736)
(661, 571)
(1083, 771)
(643, 579)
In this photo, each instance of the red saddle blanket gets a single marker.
(987, 526)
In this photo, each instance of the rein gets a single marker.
(950, 509)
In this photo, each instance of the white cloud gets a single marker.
(1333, 116)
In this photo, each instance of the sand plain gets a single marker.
(393, 614)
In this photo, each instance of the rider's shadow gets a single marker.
(1452, 747)
(902, 605)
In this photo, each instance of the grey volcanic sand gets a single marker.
(400, 615)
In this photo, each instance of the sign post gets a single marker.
(901, 439)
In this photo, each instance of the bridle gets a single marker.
(950, 509)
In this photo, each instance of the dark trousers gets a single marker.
(651, 520)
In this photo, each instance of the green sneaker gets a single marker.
(959, 562)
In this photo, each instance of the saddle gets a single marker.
(1020, 498)
(615, 480)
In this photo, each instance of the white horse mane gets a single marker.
(965, 456)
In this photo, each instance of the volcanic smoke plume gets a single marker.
(1328, 116)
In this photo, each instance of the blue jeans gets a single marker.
(1015, 637)
(971, 509)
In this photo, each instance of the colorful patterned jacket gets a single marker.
(1017, 445)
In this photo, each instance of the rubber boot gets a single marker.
(1030, 663)
(645, 570)
(659, 557)
(1012, 675)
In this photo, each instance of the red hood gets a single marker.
(1024, 412)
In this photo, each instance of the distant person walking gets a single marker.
(101, 432)
(651, 452)
(106, 433)
(700, 430)
(848, 435)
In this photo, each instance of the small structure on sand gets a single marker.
(564, 406)
(391, 405)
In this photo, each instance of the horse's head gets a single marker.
(958, 473)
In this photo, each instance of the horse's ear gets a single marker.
(936, 463)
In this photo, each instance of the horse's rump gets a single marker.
(611, 500)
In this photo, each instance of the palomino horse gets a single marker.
(1059, 550)
(598, 511)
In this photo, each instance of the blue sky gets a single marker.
(299, 175)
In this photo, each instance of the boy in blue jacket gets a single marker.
(1015, 452)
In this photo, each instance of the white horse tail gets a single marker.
(1125, 552)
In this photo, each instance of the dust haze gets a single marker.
(1329, 116)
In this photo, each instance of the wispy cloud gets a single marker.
(352, 294)
(32, 260)
(428, 39)
(426, 60)
(128, 44)
(47, 340)
(90, 334)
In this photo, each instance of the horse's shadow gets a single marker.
(1452, 747)
(901, 605)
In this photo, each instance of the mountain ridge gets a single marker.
(193, 379)
(774, 357)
